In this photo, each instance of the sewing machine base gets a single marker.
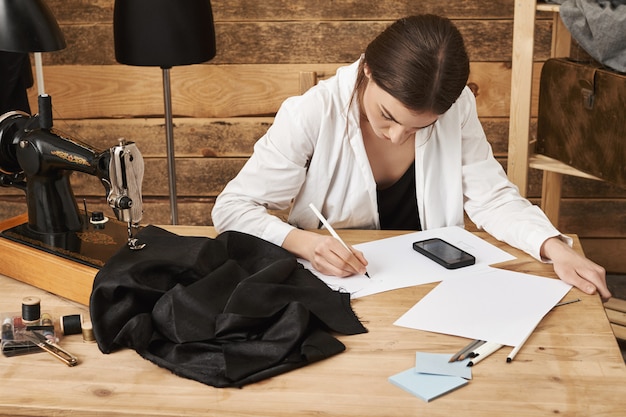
(67, 271)
(92, 246)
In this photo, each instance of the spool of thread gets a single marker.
(71, 324)
(46, 320)
(48, 327)
(31, 310)
(88, 332)
(18, 324)
(7, 329)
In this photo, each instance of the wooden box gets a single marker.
(582, 118)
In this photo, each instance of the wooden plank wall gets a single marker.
(223, 106)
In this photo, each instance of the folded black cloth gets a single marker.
(226, 312)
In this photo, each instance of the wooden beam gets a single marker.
(79, 11)
(218, 91)
(521, 93)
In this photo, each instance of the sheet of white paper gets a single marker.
(493, 304)
(392, 262)
(350, 285)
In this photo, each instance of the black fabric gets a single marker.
(226, 312)
(397, 204)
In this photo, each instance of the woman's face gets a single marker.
(389, 118)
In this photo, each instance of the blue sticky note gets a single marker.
(426, 386)
(437, 363)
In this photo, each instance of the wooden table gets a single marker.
(571, 366)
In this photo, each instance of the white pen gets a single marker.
(480, 348)
(517, 348)
(483, 352)
(331, 230)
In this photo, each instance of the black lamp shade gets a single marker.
(28, 26)
(163, 33)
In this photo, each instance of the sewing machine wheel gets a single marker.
(10, 123)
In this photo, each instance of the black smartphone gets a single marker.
(444, 253)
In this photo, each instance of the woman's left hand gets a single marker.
(575, 269)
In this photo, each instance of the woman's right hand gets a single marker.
(326, 254)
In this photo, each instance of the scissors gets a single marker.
(52, 348)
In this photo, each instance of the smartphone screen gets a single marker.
(444, 253)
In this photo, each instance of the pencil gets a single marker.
(564, 303)
(471, 353)
(462, 354)
(330, 229)
(484, 351)
(483, 347)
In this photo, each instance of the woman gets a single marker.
(392, 141)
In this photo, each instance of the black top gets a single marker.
(397, 205)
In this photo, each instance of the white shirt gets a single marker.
(314, 153)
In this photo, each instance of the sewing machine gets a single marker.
(39, 160)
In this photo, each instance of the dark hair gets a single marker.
(421, 61)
